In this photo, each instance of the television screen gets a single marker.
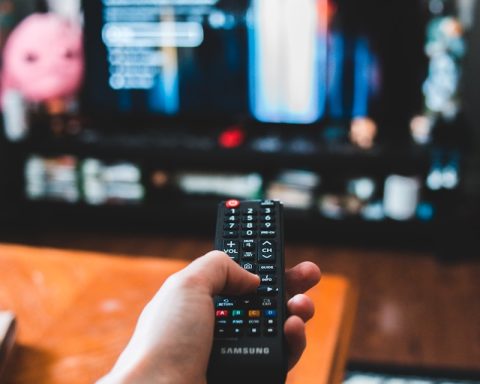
(268, 61)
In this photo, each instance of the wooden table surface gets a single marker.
(76, 311)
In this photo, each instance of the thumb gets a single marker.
(221, 275)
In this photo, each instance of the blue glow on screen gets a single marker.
(288, 51)
(277, 61)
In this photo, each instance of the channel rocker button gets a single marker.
(266, 252)
(232, 203)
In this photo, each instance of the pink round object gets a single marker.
(43, 58)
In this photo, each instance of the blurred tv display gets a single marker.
(297, 62)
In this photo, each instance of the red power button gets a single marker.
(232, 203)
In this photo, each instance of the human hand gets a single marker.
(173, 337)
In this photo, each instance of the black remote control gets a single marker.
(249, 345)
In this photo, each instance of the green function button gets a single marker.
(238, 313)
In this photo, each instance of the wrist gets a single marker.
(144, 372)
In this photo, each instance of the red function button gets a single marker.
(221, 313)
(232, 203)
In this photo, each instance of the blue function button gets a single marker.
(270, 313)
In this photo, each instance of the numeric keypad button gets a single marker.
(249, 233)
(246, 226)
(249, 211)
(267, 226)
(231, 226)
(232, 218)
(230, 234)
(249, 219)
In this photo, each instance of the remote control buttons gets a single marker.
(232, 203)
(266, 290)
(266, 252)
(225, 302)
(231, 248)
(250, 267)
(250, 239)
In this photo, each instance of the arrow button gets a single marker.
(266, 252)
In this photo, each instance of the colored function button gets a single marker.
(238, 313)
(232, 203)
(254, 313)
(270, 313)
(221, 313)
